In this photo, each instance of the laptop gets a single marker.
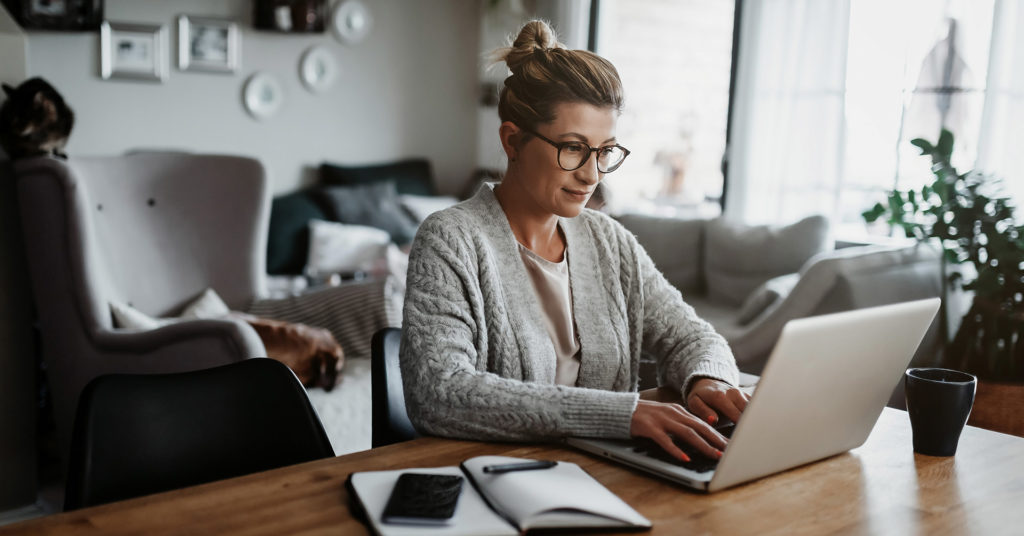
(822, 390)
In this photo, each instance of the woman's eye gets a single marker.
(574, 148)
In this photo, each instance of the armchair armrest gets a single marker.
(187, 345)
(842, 280)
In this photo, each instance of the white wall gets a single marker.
(409, 89)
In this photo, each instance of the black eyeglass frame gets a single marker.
(590, 150)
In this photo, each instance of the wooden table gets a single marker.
(879, 488)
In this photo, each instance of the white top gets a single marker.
(551, 283)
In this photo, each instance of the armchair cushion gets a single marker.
(738, 258)
(207, 305)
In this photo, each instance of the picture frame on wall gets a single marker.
(212, 45)
(65, 15)
(133, 51)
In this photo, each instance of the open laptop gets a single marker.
(822, 389)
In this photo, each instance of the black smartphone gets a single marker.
(423, 499)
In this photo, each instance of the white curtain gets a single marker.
(1002, 122)
(786, 149)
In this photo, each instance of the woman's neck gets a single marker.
(533, 227)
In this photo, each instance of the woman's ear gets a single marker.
(509, 134)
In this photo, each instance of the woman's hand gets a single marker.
(708, 398)
(659, 421)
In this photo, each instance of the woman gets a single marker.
(526, 315)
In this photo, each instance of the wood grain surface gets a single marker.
(879, 488)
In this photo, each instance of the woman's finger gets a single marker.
(702, 410)
(666, 443)
(691, 437)
(739, 399)
(725, 406)
(691, 421)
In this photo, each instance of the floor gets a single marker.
(344, 412)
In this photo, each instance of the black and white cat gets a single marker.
(34, 120)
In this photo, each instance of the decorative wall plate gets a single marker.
(318, 70)
(262, 95)
(351, 21)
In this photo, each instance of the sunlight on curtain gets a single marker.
(1002, 125)
(786, 153)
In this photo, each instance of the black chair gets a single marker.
(391, 423)
(137, 434)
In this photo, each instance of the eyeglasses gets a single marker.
(573, 154)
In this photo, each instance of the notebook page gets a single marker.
(472, 515)
(554, 496)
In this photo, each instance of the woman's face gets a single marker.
(554, 190)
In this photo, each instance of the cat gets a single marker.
(34, 120)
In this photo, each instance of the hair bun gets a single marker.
(535, 36)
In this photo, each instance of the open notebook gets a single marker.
(564, 496)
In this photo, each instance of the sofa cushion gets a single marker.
(675, 246)
(411, 176)
(738, 258)
(343, 248)
(374, 205)
(288, 236)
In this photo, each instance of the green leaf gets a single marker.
(872, 214)
(925, 145)
(945, 145)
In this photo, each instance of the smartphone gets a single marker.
(423, 499)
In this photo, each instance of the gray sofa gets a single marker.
(721, 269)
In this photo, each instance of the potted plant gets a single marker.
(975, 224)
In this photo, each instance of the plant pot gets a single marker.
(999, 406)
(990, 342)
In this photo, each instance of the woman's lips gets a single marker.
(578, 194)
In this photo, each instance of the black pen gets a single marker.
(525, 466)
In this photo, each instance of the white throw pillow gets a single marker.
(343, 248)
(126, 316)
(421, 206)
(207, 305)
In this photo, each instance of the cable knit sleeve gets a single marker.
(451, 388)
(686, 347)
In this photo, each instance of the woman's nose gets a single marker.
(588, 173)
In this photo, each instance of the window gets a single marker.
(901, 80)
(829, 95)
(675, 62)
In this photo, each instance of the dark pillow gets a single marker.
(410, 176)
(288, 236)
(375, 204)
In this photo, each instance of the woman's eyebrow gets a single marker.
(584, 138)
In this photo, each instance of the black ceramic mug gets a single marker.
(939, 402)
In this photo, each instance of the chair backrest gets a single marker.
(391, 423)
(139, 434)
(118, 223)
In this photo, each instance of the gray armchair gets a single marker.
(149, 229)
(820, 280)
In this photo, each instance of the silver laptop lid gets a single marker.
(823, 388)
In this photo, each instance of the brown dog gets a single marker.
(312, 353)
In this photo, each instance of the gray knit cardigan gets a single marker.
(476, 358)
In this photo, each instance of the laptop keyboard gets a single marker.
(698, 462)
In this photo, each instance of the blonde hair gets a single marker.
(545, 74)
